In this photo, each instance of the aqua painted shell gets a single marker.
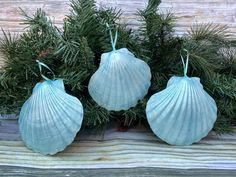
(183, 113)
(120, 81)
(50, 119)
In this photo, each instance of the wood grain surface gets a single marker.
(7, 171)
(188, 12)
(109, 149)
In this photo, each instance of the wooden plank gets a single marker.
(136, 148)
(188, 12)
(218, 11)
(7, 171)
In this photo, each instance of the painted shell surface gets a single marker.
(183, 113)
(120, 81)
(50, 119)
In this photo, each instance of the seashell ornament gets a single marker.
(184, 112)
(121, 79)
(50, 119)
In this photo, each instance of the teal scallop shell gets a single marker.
(120, 81)
(183, 113)
(50, 119)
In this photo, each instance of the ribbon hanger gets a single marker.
(40, 65)
(185, 64)
(113, 41)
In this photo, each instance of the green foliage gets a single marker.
(74, 54)
(159, 44)
(223, 89)
(213, 60)
(94, 114)
(20, 72)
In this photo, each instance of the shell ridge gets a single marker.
(130, 85)
(70, 118)
(166, 101)
(183, 118)
(65, 141)
(145, 74)
(152, 105)
(96, 88)
(32, 143)
(180, 93)
(113, 102)
(202, 121)
(172, 139)
(152, 101)
(145, 69)
(208, 100)
(47, 130)
(24, 122)
(139, 80)
(207, 108)
(203, 106)
(111, 88)
(69, 98)
(212, 109)
(195, 116)
(48, 121)
(121, 87)
(106, 89)
(188, 126)
(152, 114)
(127, 87)
(57, 109)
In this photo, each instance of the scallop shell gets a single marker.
(120, 81)
(50, 119)
(183, 113)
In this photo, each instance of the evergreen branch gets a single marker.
(223, 86)
(8, 45)
(211, 32)
(228, 61)
(94, 114)
(69, 50)
(152, 6)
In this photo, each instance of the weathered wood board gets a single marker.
(188, 12)
(7, 171)
(136, 149)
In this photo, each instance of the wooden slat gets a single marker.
(188, 12)
(135, 148)
(125, 172)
